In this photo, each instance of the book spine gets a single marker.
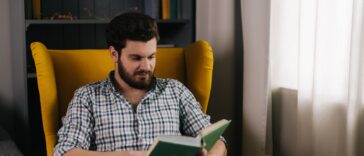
(36, 9)
(166, 9)
(173, 7)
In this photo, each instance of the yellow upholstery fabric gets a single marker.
(61, 72)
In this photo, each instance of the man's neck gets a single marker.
(132, 94)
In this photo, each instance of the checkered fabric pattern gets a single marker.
(99, 118)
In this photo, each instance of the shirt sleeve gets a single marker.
(193, 120)
(77, 126)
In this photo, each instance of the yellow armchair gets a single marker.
(61, 72)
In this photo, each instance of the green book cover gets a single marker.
(188, 146)
(212, 133)
(175, 146)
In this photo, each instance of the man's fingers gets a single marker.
(203, 152)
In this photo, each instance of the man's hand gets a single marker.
(203, 152)
(218, 149)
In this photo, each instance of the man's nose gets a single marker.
(145, 64)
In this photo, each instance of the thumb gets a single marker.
(203, 152)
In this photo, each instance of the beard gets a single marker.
(133, 80)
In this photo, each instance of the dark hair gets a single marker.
(130, 26)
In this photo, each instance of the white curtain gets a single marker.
(256, 129)
(315, 50)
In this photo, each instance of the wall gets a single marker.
(256, 111)
(6, 89)
(219, 22)
(13, 103)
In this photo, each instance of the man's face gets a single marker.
(137, 62)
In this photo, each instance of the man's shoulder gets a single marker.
(91, 87)
(168, 82)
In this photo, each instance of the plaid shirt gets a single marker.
(100, 118)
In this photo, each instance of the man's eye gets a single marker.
(151, 57)
(135, 58)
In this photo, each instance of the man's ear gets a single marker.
(114, 54)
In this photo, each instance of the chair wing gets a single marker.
(47, 93)
(199, 65)
(61, 72)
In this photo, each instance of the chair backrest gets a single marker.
(61, 72)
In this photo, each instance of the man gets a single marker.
(123, 114)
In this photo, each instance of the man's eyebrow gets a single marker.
(133, 55)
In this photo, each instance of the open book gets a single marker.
(188, 146)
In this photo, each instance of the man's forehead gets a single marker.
(138, 52)
(135, 53)
(140, 47)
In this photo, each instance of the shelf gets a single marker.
(83, 21)
(92, 21)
